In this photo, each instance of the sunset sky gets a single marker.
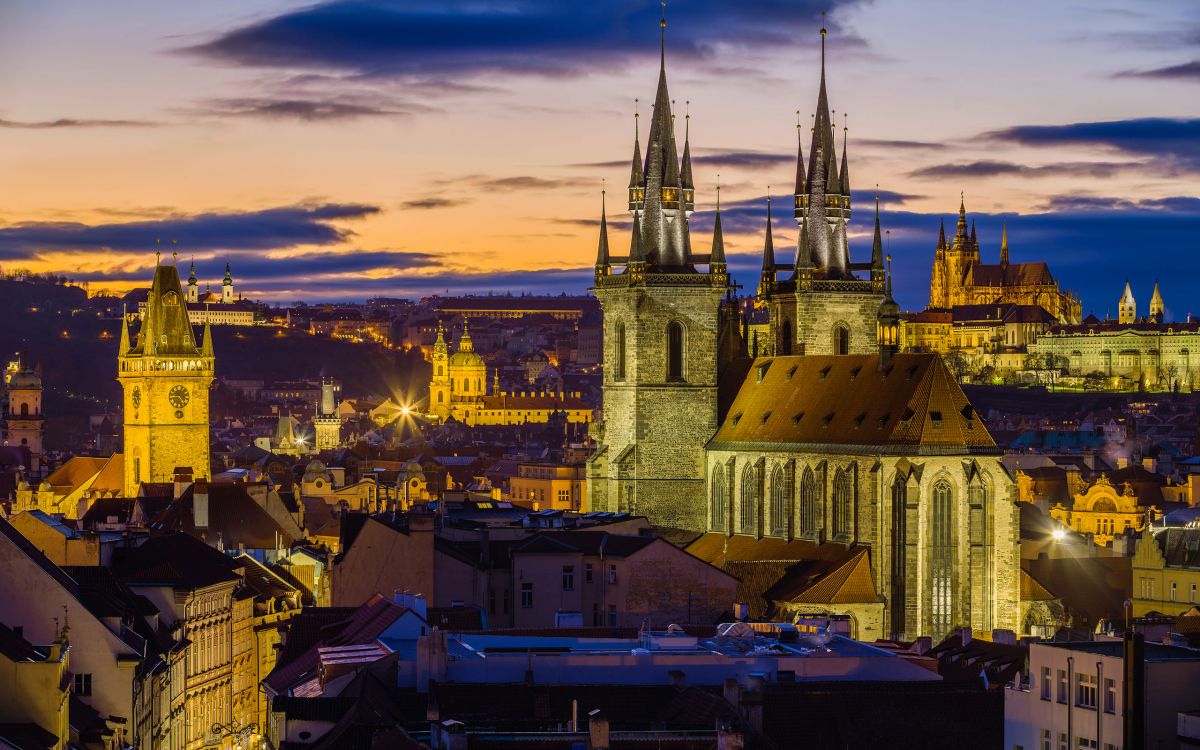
(348, 149)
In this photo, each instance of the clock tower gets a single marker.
(165, 379)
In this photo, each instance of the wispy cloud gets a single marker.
(427, 204)
(1188, 71)
(306, 110)
(1172, 142)
(65, 123)
(990, 168)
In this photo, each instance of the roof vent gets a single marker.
(884, 420)
(824, 371)
(859, 420)
(936, 418)
(737, 418)
(854, 372)
(797, 417)
(828, 418)
(765, 417)
(791, 372)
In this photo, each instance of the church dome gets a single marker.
(466, 359)
(25, 379)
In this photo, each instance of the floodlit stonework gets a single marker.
(165, 378)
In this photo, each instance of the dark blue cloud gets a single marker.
(1188, 71)
(269, 229)
(1174, 143)
(428, 39)
(992, 168)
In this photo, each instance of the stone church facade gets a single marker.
(834, 476)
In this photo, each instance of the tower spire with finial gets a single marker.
(1004, 244)
(603, 266)
(877, 270)
(685, 173)
(766, 281)
(716, 260)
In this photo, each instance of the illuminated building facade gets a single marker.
(165, 378)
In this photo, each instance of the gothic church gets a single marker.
(833, 476)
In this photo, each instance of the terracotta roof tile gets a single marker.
(913, 405)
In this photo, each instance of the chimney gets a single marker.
(200, 505)
(1004, 637)
(597, 730)
(1150, 463)
(729, 738)
(741, 611)
(731, 692)
(183, 480)
(452, 735)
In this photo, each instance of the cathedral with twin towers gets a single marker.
(827, 445)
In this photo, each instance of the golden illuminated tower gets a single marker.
(165, 378)
(439, 383)
(25, 418)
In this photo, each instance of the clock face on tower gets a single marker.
(179, 396)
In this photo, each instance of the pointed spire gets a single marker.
(717, 258)
(123, 346)
(960, 234)
(877, 245)
(636, 256)
(941, 245)
(602, 254)
(845, 175)
(801, 186)
(1004, 244)
(228, 275)
(192, 274)
(662, 43)
(767, 278)
(206, 347)
(636, 177)
(974, 240)
(686, 171)
(1157, 308)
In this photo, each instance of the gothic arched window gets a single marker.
(619, 365)
(780, 500)
(719, 499)
(841, 340)
(675, 351)
(899, 542)
(941, 606)
(749, 507)
(842, 502)
(785, 338)
(808, 503)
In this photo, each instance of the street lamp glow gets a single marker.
(1058, 535)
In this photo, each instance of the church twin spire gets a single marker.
(661, 196)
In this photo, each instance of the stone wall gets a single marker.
(813, 315)
(984, 533)
(654, 428)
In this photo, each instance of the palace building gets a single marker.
(219, 309)
(832, 476)
(1131, 351)
(165, 378)
(960, 278)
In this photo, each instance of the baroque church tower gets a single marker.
(663, 320)
(165, 379)
(826, 304)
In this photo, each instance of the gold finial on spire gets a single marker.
(718, 191)
(797, 119)
(662, 25)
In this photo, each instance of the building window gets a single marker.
(491, 601)
(1110, 695)
(719, 499)
(619, 368)
(1192, 594)
(1062, 686)
(675, 351)
(842, 503)
(748, 511)
(568, 578)
(1062, 741)
(942, 561)
(527, 596)
(1173, 588)
(612, 615)
(808, 503)
(899, 550)
(83, 685)
(612, 573)
(1046, 740)
(785, 338)
(841, 340)
(1085, 690)
(780, 501)
(587, 573)
(1046, 691)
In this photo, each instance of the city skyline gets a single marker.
(332, 152)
